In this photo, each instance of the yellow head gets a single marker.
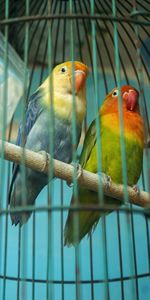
(66, 80)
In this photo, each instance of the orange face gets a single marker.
(132, 120)
(129, 97)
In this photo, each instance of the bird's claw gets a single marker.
(70, 184)
(106, 179)
(79, 172)
(46, 157)
(136, 190)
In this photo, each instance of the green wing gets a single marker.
(88, 145)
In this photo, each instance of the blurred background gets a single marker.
(114, 262)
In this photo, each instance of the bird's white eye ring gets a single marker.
(63, 69)
(115, 93)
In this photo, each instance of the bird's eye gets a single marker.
(63, 69)
(115, 93)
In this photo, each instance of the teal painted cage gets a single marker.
(113, 39)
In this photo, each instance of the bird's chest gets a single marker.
(119, 154)
(54, 138)
(62, 141)
(114, 157)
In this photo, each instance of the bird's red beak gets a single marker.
(131, 98)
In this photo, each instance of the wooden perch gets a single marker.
(65, 171)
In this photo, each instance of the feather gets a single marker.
(111, 157)
(35, 133)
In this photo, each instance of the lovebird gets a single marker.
(35, 135)
(111, 160)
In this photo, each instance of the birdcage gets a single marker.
(113, 39)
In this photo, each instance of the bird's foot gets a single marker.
(136, 190)
(106, 179)
(46, 157)
(79, 172)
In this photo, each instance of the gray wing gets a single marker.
(34, 109)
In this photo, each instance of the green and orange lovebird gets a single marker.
(35, 135)
(111, 159)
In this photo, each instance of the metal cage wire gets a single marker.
(111, 38)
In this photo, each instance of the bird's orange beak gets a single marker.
(80, 78)
(131, 98)
(80, 75)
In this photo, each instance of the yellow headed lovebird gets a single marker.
(111, 160)
(36, 134)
